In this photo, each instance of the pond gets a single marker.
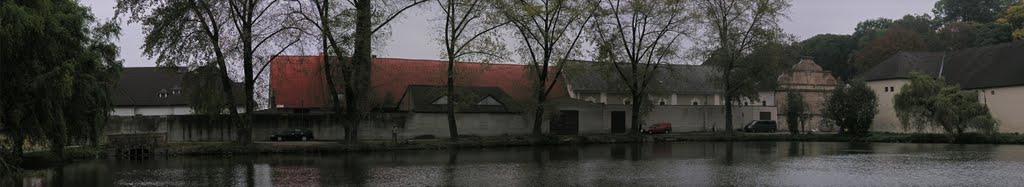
(657, 164)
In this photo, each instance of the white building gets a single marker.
(150, 91)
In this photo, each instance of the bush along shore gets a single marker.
(45, 158)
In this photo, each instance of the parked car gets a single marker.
(660, 128)
(293, 134)
(761, 126)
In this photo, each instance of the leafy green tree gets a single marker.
(58, 63)
(550, 32)
(1014, 18)
(635, 39)
(832, 52)
(979, 11)
(733, 28)
(891, 42)
(797, 112)
(931, 103)
(961, 35)
(852, 107)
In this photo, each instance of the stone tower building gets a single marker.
(814, 84)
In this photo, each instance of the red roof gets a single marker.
(297, 81)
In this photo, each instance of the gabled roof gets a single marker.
(424, 96)
(900, 65)
(141, 86)
(297, 82)
(981, 67)
(674, 78)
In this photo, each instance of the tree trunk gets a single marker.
(538, 120)
(635, 119)
(728, 112)
(453, 130)
(356, 87)
(244, 133)
(93, 134)
(17, 144)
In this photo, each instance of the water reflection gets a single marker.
(659, 164)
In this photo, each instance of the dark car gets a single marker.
(760, 126)
(660, 128)
(293, 134)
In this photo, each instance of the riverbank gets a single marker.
(46, 158)
(509, 141)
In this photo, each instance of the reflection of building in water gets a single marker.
(289, 175)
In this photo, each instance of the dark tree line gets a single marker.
(57, 63)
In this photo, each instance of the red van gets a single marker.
(659, 128)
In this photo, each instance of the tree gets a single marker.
(852, 107)
(891, 42)
(979, 11)
(733, 28)
(962, 35)
(184, 33)
(635, 39)
(1014, 18)
(465, 34)
(549, 34)
(58, 62)
(931, 103)
(796, 112)
(357, 72)
(832, 52)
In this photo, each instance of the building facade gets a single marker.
(812, 83)
(992, 71)
(684, 95)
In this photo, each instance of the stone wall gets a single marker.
(596, 119)
(202, 128)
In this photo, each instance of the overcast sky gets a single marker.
(412, 36)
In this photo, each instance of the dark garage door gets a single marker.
(618, 121)
(567, 123)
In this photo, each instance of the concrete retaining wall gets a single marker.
(203, 128)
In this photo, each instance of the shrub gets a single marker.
(852, 107)
(928, 102)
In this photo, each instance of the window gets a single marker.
(764, 103)
(661, 103)
(695, 103)
(993, 92)
(625, 101)
(176, 91)
(162, 94)
(489, 101)
(443, 100)
(746, 103)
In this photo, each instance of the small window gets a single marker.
(489, 101)
(993, 92)
(443, 100)
(695, 103)
(764, 103)
(661, 103)
(162, 95)
(626, 101)
(886, 89)
(746, 103)
(176, 91)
